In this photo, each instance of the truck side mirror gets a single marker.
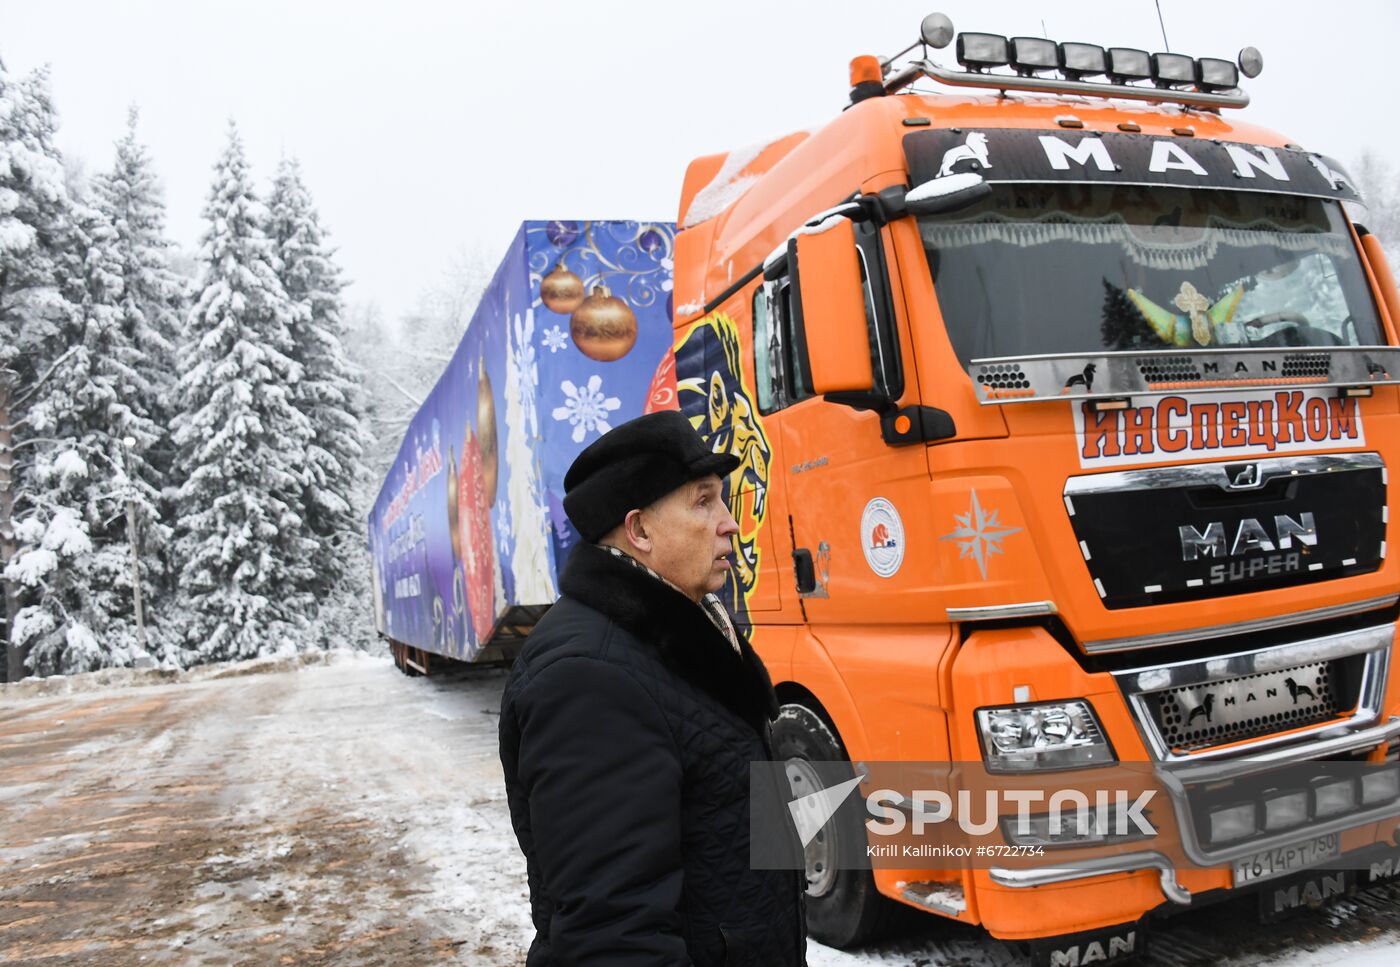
(830, 308)
(950, 193)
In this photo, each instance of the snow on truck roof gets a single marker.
(748, 200)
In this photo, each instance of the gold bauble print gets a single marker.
(486, 434)
(452, 521)
(603, 327)
(561, 291)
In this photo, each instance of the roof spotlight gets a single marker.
(937, 30)
(1128, 64)
(977, 52)
(1169, 70)
(1031, 55)
(1251, 62)
(1213, 74)
(1082, 60)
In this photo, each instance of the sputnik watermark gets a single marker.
(1068, 811)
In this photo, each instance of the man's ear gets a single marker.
(636, 531)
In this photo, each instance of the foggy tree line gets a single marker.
(200, 440)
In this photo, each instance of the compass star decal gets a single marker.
(979, 534)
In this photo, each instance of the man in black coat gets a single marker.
(629, 722)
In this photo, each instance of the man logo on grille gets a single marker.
(1244, 476)
(1205, 708)
(1294, 689)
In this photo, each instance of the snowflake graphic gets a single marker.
(979, 534)
(554, 339)
(523, 358)
(669, 266)
(586, 409)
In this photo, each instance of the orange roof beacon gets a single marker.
(1066, 407)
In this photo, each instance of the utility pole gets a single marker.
(127, 444)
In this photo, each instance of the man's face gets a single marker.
(690, 530)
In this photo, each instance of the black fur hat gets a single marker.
(634, 465)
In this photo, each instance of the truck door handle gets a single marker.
(806, 571)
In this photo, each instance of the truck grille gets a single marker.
(1189, 709)
(1197, 717)
(1168, 534)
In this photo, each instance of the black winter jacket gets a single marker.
(627, 727)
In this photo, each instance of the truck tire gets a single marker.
(843, 906)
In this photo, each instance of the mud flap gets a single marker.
(1383, 868)
(1281, 897)
(1108, 945)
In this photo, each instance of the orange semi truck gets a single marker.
(1066, 405)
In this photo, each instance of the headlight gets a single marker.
(1053, 735)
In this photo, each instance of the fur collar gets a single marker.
(676, 627)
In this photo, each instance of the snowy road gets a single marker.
(336, 812)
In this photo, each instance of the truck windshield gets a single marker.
(1069, 268)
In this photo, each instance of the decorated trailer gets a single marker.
(572, 335)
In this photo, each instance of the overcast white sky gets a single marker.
(426, 130)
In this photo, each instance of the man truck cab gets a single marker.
(1066, 404)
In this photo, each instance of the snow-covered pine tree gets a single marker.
(244, 553)
(79, 484)
(149, 304)
(329, 393)
(1376, 177)
(35, 538)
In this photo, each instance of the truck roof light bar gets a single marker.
(1078, 61)
(1213, 74)
(1209, 83)
(1032, 55)
(978, 52)
(1128, 64)
(1171, 70)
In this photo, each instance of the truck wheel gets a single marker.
(843, 906)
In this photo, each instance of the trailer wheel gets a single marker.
(401, 655)
(843, 906)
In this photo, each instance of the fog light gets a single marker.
(979, 51)
(1332, 798)
(1082, 60)
(1232, 822)
(1075, 827)
(1169, 69)
(1380, 785)
(1216, 75)
(1032, 54)
(1128, 64)
(1286, 810)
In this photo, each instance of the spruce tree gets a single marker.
(149, 305)
(329, 393)
(241, 543)
(80, 486)
(37, 536)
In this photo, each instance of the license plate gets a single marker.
(1269, 863)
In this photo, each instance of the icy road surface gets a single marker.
(331, 811)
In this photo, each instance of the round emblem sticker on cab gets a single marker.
(882, 537)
